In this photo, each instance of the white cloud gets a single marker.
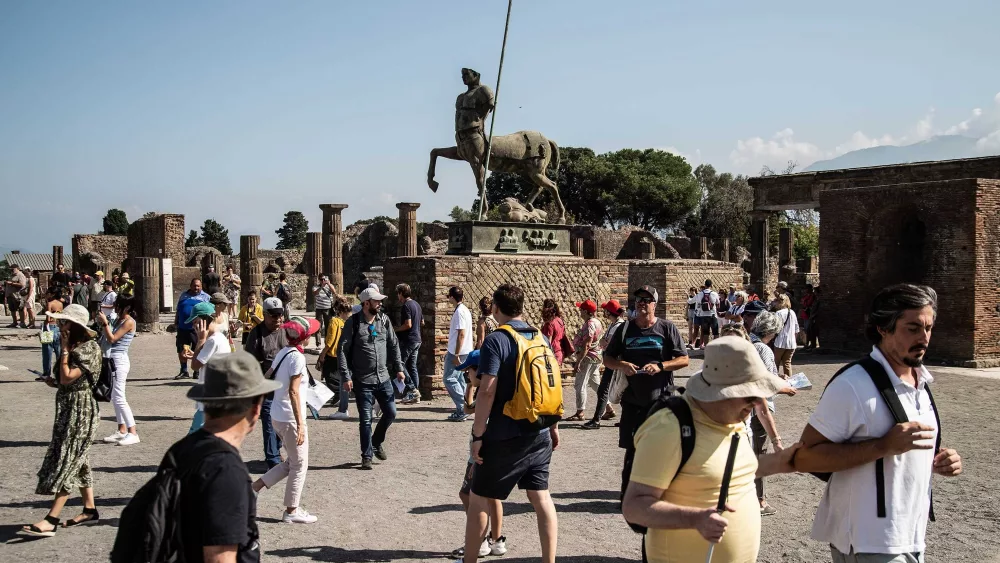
(387, 198)
(750, 155)
(693, 159)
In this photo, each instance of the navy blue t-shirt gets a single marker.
(498, 357)
(411, 310)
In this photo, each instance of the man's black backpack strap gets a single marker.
(682, 411)
(883, 384)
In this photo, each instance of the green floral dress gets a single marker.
(66, 466)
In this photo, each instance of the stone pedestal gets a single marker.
(146, 274)
(250, 270)
(479, 237)
(57, 258)
(333, 245)
(407, 229)
(313, 263)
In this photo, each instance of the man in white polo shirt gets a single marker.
(878, 497)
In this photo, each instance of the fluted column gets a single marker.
(313, 265)
(250, 271)
(407, 245)
(146, 274)
(57, 258)
(333, 245)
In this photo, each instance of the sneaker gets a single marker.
(499, 547)
(591, 425)
(380, 452)
(768, 510)
(114, 438)
(459, 552)
(339, 416)
(300, 516)
(484, 549)
(455, 417)
(129, 439)
(366, 464)
(181, 375)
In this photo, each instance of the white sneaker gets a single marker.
(129, 439)
(300, 516)
(114, 438)
(499, 547)
(484, 549)
(339, 416)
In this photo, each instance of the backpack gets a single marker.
(706, 301)
(149, 530)
(682, 410)
(883, 383)
(283, 294)
(537, 396)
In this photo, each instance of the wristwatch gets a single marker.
(477, 438)
(661, 367)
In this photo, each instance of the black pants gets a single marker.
(630, 421)
(603, 393)
(759, 448)
(323, 316)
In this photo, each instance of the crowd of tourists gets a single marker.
(874, 435)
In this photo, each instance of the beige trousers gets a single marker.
(783, 359)
(295, 465)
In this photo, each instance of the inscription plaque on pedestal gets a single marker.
(487, 237)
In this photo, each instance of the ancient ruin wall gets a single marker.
(987, 302)
(673, 278)
(924, 233)
(93, 252)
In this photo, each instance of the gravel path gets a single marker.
(408, 508)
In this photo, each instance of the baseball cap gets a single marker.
(273, 304)
(613, 307)
(106, 282)
(98, 273)
(471, 361)
(371, 294)
(587, 305)
(201, 309)
(754, 307)
(300, 328)
(783, 284)
(647, 289)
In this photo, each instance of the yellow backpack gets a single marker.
(538, 385)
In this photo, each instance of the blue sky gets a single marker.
(241, 111)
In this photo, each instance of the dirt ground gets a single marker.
(408, 508)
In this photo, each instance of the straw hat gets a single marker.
(732, 370)
(76, 314)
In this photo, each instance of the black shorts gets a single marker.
(522, 461)
(709, 323)
(185, 337)
(470, 470)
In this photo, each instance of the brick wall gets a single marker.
(159, 236)
(105, 252)
(987, 301)
(673, 278)
(926, 233)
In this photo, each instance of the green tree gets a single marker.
(292, 235)
(458, 214)
(725, 209)
(216, 236)
(650, 189)
(115, 222)
(194, 239)
(4, 270)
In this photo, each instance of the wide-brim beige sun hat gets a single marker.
(733, 370)
(76, 314)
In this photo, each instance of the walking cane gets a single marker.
(724, 491)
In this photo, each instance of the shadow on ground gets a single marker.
(327, 553)
(128, 469)
(515, 508)
(73, 501)
(21, 444)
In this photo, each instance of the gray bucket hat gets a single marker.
(232, 376)
(76, 314)
(219, 298)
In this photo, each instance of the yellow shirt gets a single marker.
(657, 456)
(333, 331)
(247, 316)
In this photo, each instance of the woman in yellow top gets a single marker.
(327, 362)
(251, 314)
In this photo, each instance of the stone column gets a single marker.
(758, 252)
(703, 249)
(407, 245)
(250, 270)
(333, 245)
(57, 258)
(578, 250)
(786, 254)
(313, 265)
(722, 249)
(647, 249)
(146, 274)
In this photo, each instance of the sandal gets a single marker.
(35, 531)
(608, 415)
(577, 416)
(92, 517)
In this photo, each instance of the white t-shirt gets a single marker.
(852, 410)
(713, 299)
(460, 320)
(294, 364)
(735, 310)
(215, 344)
(789, 328)
(108, 299)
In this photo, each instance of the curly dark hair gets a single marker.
(550, 310)
(485, 306)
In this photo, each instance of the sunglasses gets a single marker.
(274, 314)
(372, 333)
(643, 300)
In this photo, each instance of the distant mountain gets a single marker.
(942, 147)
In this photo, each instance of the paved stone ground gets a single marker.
(408, 508)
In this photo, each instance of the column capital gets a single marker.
(407, 206)
(338, 207)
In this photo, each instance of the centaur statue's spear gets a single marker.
(493, 119)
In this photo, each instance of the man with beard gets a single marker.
(878, 497)
(368, 350)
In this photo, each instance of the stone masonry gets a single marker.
(673, 278)
(99, 252)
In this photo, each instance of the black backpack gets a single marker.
(282, 294)
(149, 530)
(883, 383)
(672, 400)
(706, 301)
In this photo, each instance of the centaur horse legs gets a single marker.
(526, 153)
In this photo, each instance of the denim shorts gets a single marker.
(521, 462)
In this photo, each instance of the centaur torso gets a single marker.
(472, 107)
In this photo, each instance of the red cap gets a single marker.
(587, 305)
(613, 307)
